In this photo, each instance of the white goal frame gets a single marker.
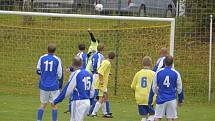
(171, 20)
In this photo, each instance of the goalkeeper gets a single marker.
(91, 51)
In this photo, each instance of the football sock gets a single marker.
(40, 114)
(96, 109)
(107, 107)
(104, 110)
(54, 115)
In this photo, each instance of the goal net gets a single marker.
(24, 37)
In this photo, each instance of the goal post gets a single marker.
(132, 38)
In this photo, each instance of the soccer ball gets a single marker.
(99, 7)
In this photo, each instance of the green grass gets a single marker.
(24, 108)
(22, 45)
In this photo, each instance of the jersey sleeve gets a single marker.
(38, 70)
(159, 65)
(134, 82)
(180, 89)
(67, 90)
(59, 70)
(154, 85)
(102, 69)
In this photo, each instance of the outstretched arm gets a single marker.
(91, 35)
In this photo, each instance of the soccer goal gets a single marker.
(24, 40)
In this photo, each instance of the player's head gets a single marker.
(111, 55)
(168, 60)
(77, 62)
(163, 51)
(81, 47)
(100, 47)
(51, 48)
(147, 61)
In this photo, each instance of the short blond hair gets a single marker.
(147, 61)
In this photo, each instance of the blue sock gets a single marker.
(40, 114)
(108, 107)
(69, 105)
(93, 105)
(54, 115)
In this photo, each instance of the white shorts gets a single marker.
(79, 109)
(48, 96)
(167, 109)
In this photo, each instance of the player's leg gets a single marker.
(98, 103)
(69, 107)
(151, 112)
(143, 112)
(107, 104)
(94, 99)
(82, 109)
(44, 98)
(73, 108)
(106, 107)
(160, 111)
(171, 110)
(54, 107)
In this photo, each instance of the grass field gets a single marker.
(22, 44)
(24, 108)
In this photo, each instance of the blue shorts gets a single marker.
(145, 110)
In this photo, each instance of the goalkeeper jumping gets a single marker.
(91, 51)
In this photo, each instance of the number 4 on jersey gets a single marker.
(166, 81)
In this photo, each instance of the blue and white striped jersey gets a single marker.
(51, 71)
(97, 59)
(167, 80)
(78, 86)
(159, 64)
(83, 56)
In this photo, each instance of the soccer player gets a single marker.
(50, 69)
(160, 62)
(78, 87)
(83, 55)
(91, 51)
(166, 84)
(142, 84)
(97, 59)
(102, 83)
(94, 43)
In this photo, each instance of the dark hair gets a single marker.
(51, 48)
(100, 47)
(77, 62)
(111, 55)
(81, 46)
(168, 60)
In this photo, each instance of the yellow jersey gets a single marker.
(142, 84)
(104, 70)
(93, 46)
